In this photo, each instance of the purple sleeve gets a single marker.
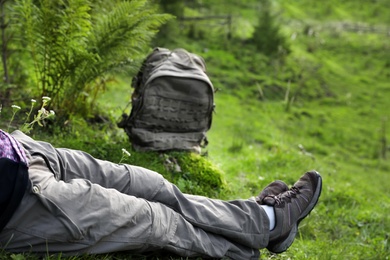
(11, 148)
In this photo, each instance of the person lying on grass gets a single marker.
(57, 200)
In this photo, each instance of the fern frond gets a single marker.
(72, 43)
(119, 37)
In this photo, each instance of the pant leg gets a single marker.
(241, 221)
(79, 216)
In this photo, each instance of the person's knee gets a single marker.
(144, 183)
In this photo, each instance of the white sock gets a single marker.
(271, 215)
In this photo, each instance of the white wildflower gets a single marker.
(33, 101)
(44, 98)
(124, 151)
(52, 112)
(43, 111)
(16, 107)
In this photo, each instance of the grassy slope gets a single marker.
(341, 136)
(257, 141)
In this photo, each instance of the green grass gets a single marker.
(351, 220)
(337, 123)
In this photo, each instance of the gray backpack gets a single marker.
(172, 103)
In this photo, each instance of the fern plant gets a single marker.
(76, 45)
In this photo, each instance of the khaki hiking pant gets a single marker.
(77, 204)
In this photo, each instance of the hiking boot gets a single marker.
(266, 196)
(291, 207)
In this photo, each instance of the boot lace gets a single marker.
(286, 196)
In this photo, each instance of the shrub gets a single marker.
(74, 45)
(267, 36)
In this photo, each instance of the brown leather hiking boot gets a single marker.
(291, 207)
(266, 196)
